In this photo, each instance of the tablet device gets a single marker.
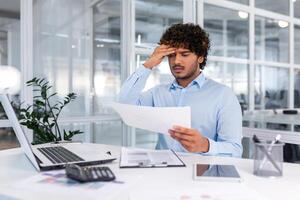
(214, 172)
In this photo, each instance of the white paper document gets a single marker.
(149, 158)
(156, 119)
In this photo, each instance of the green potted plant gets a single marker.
(42, 116)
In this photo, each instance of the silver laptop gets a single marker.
(55, 156)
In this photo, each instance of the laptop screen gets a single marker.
(25, 145)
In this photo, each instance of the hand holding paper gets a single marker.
(157, 119)
(191, 139)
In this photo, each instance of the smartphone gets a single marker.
(214, 172)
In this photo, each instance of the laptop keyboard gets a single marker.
(59, 154)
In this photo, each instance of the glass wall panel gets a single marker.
(152, 17)
(61, 49)
(8, 139)
(297, 89)
(297, 44)
(233, 75)
(271, 39)
(10, 55)
(271, 87)
(2, 113)
(296, 8)
(15, 104)
(10, 41)
(10, 48)
(108, 132)
(277, 6)
(84, 127)
(105, 132)
(107, 55)
(241, 1)
(228, 31)
(3, 48)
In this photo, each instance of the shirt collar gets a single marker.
(198, 81)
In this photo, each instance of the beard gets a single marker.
(179, 72)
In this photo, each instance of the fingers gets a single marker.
(180, 136)
(186, 141)
(188, 138)
(165, 51)
(183, 130)
(164, 48)
(162, 51)
(191, 139)
(158, 55)
(187, 145)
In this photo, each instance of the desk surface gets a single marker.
(15, 166)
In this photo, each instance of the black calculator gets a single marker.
(89, 173)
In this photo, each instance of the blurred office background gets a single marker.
(90, 46)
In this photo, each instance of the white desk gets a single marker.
(15, 166)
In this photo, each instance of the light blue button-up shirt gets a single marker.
(215, 110)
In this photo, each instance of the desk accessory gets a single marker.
(275, 141)
(89, 173)
(268, 157)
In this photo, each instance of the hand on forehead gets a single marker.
(177, 49)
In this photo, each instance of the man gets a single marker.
(216, 113)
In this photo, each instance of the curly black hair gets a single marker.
(189, 36)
